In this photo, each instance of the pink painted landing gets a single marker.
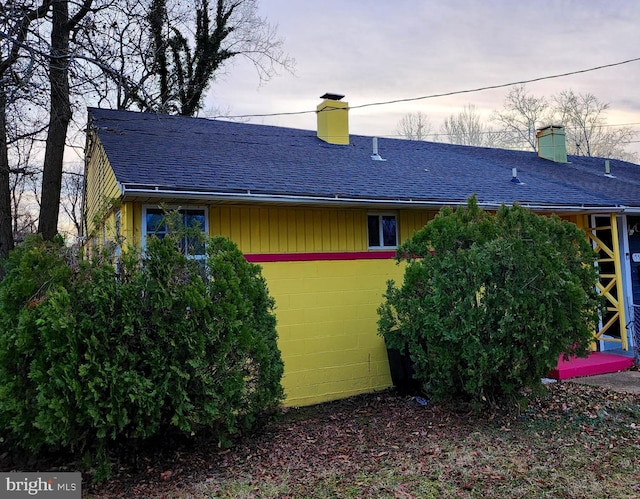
(595, 363)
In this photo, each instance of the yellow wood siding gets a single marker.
(288, 230)
(131, 224)
(300, 230)
(101, 190)
(412, 220)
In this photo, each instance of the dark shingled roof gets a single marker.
(149, 151)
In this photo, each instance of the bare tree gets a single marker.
(582, 115)
(414, 126)
(467, 128)
(613, 143)
(26, 136)
(17, 62)
(522, 114)
(6, 234)
(25, 174)
(185, 69)
(71, 199)
(584, 118)
(115, 65)
(63, 27)
(162, 55)
(108, 51)
(24, 212)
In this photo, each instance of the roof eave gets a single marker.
(156, 192)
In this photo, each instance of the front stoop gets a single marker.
(595, 363)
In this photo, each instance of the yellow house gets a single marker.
(322, 213)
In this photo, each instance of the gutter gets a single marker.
(248, 196)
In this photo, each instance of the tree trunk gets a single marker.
(157, 17)
(6, 234)
(60, 116)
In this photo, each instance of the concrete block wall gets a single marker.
(327, 326)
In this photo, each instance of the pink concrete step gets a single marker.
(595, 363)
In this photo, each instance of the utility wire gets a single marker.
(445, 94)
(502, 85)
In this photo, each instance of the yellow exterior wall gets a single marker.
(326, 309)
(294, 230)
(131, 223)
(101, 191)
(581, 221)
(287, 230)
(327, 326)
(299, 230)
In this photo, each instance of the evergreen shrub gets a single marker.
(490, 301)
(95, 356)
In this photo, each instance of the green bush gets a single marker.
(490, 302)
(93, 357)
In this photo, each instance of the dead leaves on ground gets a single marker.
(386, 445)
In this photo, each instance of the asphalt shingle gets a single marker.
(196, 154)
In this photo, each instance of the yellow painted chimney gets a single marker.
(333, 119)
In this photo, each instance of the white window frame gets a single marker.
(118, 223)
(380, 233)
(146, 207)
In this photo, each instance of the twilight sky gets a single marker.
(379, 50)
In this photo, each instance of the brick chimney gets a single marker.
(333, 119)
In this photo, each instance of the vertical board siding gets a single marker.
(130, 223)
(411, 221)
(266, 229)
(303, 230)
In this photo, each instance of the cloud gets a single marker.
(378, 50)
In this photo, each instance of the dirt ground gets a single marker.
(624, 382)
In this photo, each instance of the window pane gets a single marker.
(155, 223)
(195, 246)
(192, 219)
(389, 233)
(118, 224)
(374, 230)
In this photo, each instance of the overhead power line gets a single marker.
(444, 94)
(502, 85)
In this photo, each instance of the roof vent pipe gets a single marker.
(375, 156)
(514, 177)
(607, 169)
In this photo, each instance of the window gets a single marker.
(383, 231)
(155, 223)
(118, 217)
